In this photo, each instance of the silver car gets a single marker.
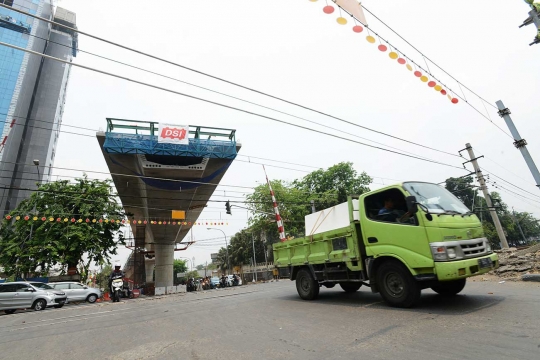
(25, 295)
(77, 292)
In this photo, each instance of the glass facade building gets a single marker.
(32, 94)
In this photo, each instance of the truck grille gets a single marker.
(473, 249)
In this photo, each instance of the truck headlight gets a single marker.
(439, 253)
(488, 247)
(451, 252)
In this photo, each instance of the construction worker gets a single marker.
(535, 4)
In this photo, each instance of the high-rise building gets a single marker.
(32, 94)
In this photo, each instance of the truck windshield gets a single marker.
(437, 199)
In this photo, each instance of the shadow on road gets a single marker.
(429, 303)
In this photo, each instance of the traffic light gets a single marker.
(228, 207)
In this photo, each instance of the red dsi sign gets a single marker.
(173, 134)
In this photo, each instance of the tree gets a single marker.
(464, 190)
(102, 279)
(332, 186)
(179, 266)
(325, 187)
(200, 267)
(35, 246)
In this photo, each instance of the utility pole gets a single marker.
(313, 207)
(483, 187)
(519, 143)
(254, 259)
(519, 226)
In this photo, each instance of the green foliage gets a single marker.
(325, 187)
(200, 267)
(179, 266)
(192, 274)
(103, 277)
(64, 243)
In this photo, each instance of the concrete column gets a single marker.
(164, 264)
(138, 256)
(149, 266)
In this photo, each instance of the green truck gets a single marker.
(397, 240)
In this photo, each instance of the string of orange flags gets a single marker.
(356, 12)
(94, 220)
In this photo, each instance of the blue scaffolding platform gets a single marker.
(140, 143)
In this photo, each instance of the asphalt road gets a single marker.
(269, 321)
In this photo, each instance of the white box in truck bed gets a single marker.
(332, 218)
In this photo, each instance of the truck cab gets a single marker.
(398, 240)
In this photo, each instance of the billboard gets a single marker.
(173, 134)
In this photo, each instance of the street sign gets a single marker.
(214, 256)
(179, 275)
(178, 214)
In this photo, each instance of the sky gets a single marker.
(293, 50)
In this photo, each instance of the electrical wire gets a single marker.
(419, 66)
(427, 58)
(248, 156)
(229, 82)
(227, 106)
(509, 183)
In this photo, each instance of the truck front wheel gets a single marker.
(350, 287)
(449, 288)
(307, 287)
(396, 285)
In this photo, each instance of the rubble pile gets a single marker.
(513, 263)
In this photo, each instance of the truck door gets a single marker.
(387, 230)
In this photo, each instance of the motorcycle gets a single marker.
(116, 289)
(224, 282)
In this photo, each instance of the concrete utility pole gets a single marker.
(254, 259)
(519, 143)
(483, 187)
(313, 207)
(519, 226)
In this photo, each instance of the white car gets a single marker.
(77, 292)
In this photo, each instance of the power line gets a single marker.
(427, 58)
(227, 106)
(428, 71)
(248, 156)
(229, 82)
(509, 183)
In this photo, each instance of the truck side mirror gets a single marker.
(412, 206)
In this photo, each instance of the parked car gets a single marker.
(25, 295)
(77, 292)
(214, 282)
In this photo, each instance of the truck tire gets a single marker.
(350, 287)
(396, 285)
(449, 288)
(307, 287)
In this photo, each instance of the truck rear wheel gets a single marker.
(350, 287)
(307, 287)
(449, 288)
(396, 285)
